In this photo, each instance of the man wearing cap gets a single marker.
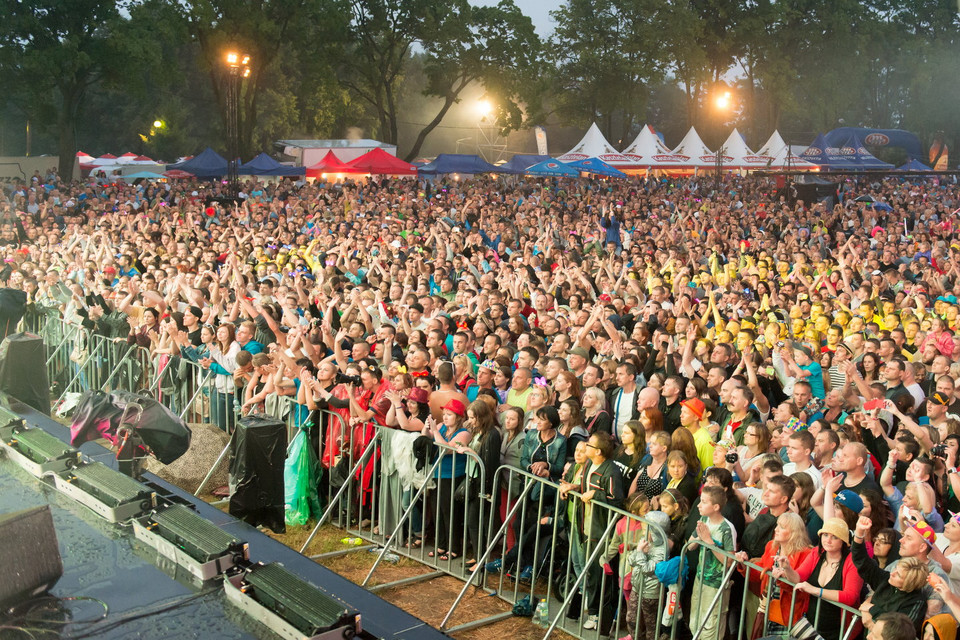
(577, 359)
(938, 405)
(692, 414)
(485, 374)
(916, 542)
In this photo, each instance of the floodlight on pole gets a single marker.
(723, 102)
(237, 69)
(484, 109)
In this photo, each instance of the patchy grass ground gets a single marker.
(428, 600)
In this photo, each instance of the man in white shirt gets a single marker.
(799, 449)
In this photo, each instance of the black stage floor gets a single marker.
(105, 561)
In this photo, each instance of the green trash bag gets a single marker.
(300, 481)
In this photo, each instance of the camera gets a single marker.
(343, 378)
(939, 451)
(732, 457)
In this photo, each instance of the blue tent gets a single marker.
(858, 154)
(914, 165)
(457, 163)
(827, 157)
(552, 168)
(264, 165)
(598, 167)
(208, 164)
(909, 142)
(521, 162)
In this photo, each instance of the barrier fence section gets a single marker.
(592, 564)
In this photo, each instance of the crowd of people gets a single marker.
(765, 379)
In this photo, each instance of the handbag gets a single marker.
(804, 630)
(460, 491)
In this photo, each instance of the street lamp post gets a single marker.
(237, 69)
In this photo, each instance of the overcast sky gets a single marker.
(538, 10)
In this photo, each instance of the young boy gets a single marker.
(713, 529)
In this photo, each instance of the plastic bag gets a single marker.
(300, 481)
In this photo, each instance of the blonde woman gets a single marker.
(595, 414)
(539, 397)
(790, 541)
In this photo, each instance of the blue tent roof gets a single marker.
(553, 168)
(858, 154)
(264, 165)
(829, 157)
(208, 164)
(457, 163)
(598, 167)
(519, 163)
(909, 142)
(914, 165)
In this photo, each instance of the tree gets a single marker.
(461, 45)
(269, 31)
(608, 53)
(52, 52)
(495, 46)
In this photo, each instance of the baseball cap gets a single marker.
(579, 351)
(850, 500)
(939, 398)
(926, 532)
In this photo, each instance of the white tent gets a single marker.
(781, 155)
(648, 147)
(594, 145)
(691, 153)
(741, 157)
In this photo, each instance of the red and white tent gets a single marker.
(779, 151)
(647, 147)
(594, 145)
(690, 155)
(126, 158)
(741, 157)
(105, 159)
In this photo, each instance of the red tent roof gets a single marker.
(108, 156)
(380, 162)
(330, 163)
(143, 159)
(129, 155)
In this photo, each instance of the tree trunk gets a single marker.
(67, 136)
(448, 102)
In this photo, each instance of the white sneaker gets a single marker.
(591, 622)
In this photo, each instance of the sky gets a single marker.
(538, 10)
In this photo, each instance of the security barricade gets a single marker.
(593, 565)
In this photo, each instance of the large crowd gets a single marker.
(775, 378)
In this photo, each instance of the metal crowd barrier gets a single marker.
(372, 490)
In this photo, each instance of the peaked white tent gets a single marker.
(781, 157)
(741, 157)
(594, 145)
(691, 154)
(647, 147)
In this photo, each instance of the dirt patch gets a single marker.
(428, 600)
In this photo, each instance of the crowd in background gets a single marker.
(778, 379)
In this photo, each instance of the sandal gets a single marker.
(416, 543)
(446, 557)
(439, 553)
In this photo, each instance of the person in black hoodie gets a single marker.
(900, 591)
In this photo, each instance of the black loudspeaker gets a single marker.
(23, 370)
(258, 449)
(29, 555)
